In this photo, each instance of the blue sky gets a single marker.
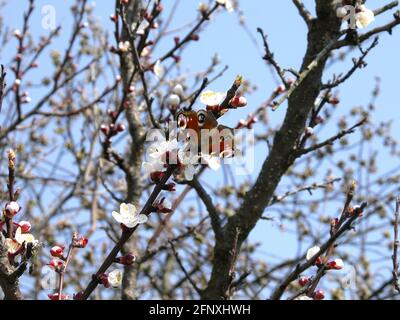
(235, 48)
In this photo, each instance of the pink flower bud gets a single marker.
(25, 226)
(336, 264)
(80, 242)
(309, 131)
(126, 260)
(54, 296)
(103, 278)
(170, 187)
(56, 264)
(57, 251)
(17, 33)
(120, 127)
(11, 209)
(78, 295)
(156, 176)
(319, 295)
(334, 101)
(280, 89)
(105, 129)
(238, 102)
(303, 281)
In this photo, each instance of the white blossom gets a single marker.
(365, 17)
(174, 100)
(158, 150)
(24, 237)
(227, 3)
(213, 161)
(142, 27)
(124, 46)
(178, 90)
(129, 216)
(114, 278)
(341, 12)
(211, 98)
(158, 69)
(312, 252)
(303, 297)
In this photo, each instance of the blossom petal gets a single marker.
(142, 218)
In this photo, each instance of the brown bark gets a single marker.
(8, 282)
(323, 30)
(136, 132)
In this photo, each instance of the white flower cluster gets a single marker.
(359, 17)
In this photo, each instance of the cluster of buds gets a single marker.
(126, 260)
(358, 17)
(355, 210)
(25, 98)
(79, 241)
(57, 265)
(248, 124)
(161, 206)
(336, 264)
(112, 129)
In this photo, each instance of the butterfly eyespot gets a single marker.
(201, 117)
(182, 121)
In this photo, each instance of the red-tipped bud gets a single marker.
(79, 241)
(171, 187)
(25, 226)
(126, 260)
(238, 102)
(303, 281)
(319, 295)
(56, 264)
(336, 264)
(334, 101)
(195, 37)
(11, 209)
(103, 278)
(280, 89)
(54, 296)
(120, 127)
(157, 176)
(78, 295)
(105, 129)
(57, 251)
